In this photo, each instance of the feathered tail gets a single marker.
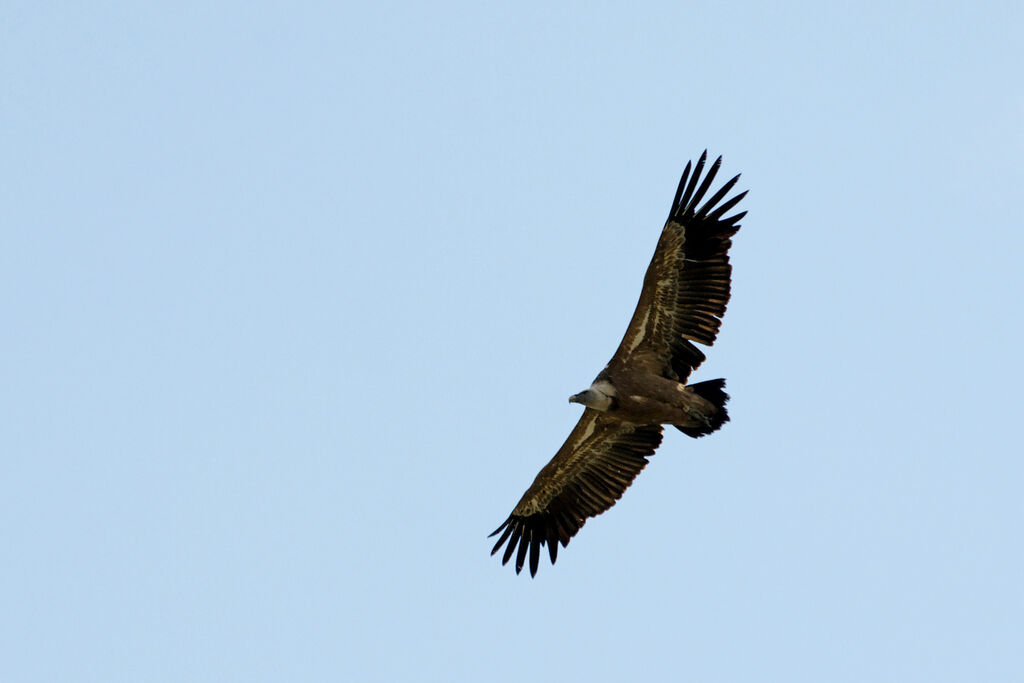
(714, 392)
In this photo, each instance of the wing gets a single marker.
(687, 284)
(593, 467)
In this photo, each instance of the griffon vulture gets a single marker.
(643, 386)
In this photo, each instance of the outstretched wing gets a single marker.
(687, 284)
(589, 473)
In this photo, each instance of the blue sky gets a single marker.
(293, 298)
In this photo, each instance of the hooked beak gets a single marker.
(575, 398)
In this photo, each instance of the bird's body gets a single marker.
(646, 398)
(685, 292)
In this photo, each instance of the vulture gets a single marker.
(644, 385)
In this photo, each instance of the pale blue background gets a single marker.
(293, 297)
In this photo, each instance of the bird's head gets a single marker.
(596, 397)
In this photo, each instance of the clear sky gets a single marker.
(292, 300)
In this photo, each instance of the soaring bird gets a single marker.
(684, 295)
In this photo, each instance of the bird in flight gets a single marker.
(643, 386)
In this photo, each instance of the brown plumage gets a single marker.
(683, 299)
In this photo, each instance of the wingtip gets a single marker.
(509, 549)
(679, 190)
(524, 547)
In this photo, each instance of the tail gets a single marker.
(714, 392)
